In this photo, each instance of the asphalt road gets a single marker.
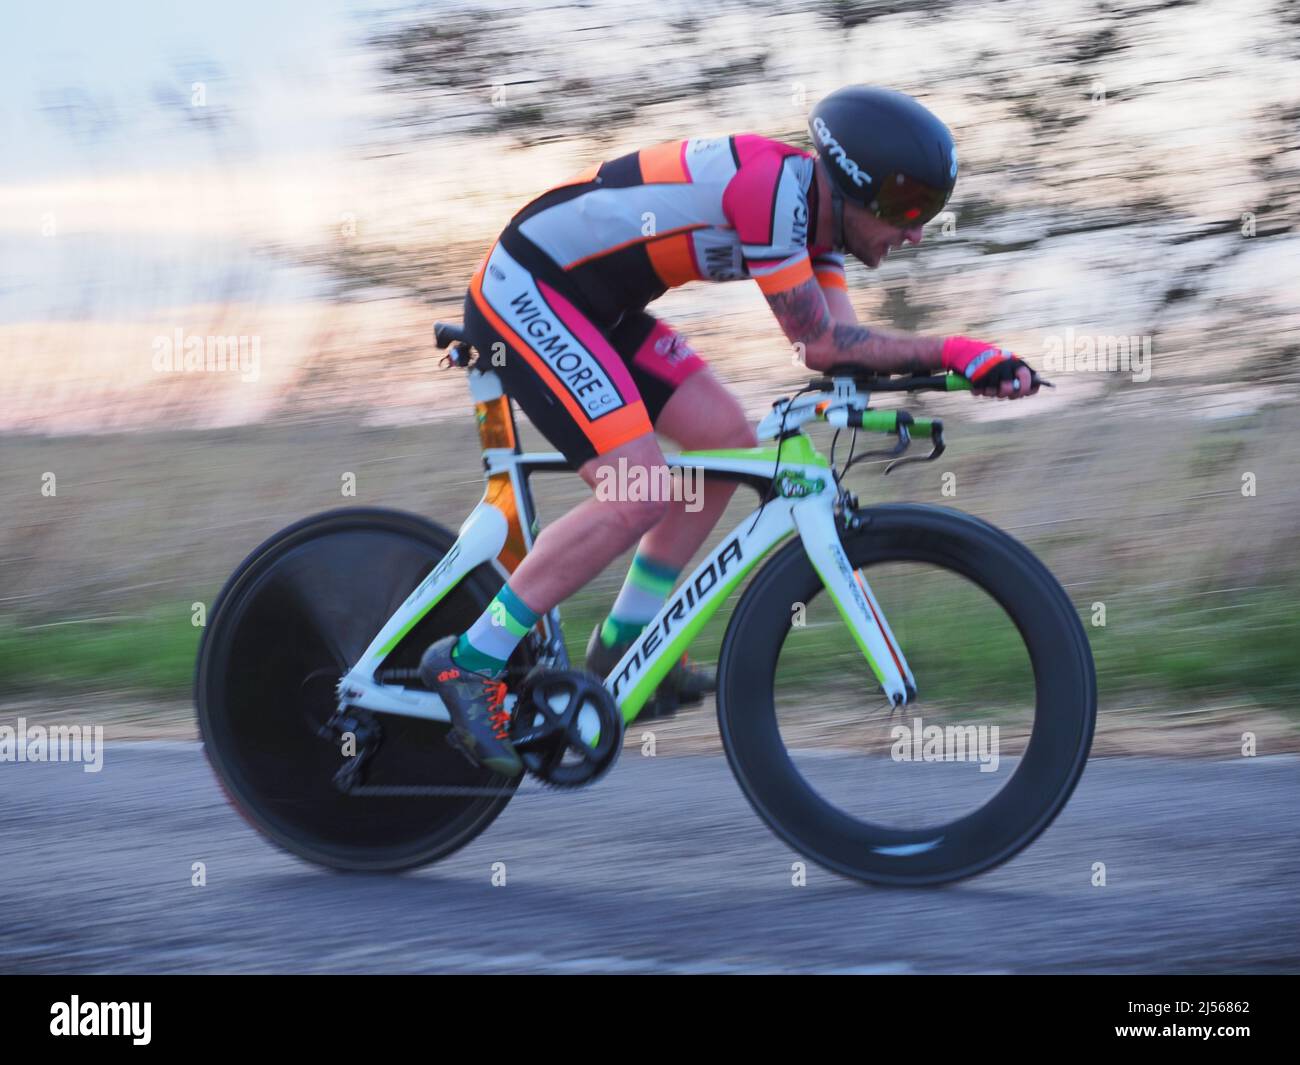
(662, 867)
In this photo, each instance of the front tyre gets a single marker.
(960, 779)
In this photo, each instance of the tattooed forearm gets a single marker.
(807, 321)
(888, 353)
(802, 312)
(849, 336)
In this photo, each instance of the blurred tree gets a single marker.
(850, 14)
(492, 71)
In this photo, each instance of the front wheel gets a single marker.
(968, 773)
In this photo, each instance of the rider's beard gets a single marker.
(871, 254)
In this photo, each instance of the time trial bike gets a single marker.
(905, 693)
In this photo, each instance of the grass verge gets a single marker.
(1191, 648)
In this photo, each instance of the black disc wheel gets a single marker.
(296, 614)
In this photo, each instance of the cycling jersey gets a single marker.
(562, 292)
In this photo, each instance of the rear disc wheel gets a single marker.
(290, 621)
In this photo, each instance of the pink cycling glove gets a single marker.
(973, 359)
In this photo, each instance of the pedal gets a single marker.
(457, 744)
(663, 707)
(658, 713)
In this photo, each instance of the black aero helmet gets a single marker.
(885, 151)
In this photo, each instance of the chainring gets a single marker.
(566, 727)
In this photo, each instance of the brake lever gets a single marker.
(904, 440)
(936, 451)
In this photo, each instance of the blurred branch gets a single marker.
(472, 72)
(850, 14)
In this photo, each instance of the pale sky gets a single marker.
(289, 69)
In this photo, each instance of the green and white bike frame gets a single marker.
(800, 496)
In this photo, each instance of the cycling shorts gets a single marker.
(589, 384)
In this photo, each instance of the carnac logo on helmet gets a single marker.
(837, 153)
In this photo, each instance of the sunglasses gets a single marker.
(905, 202)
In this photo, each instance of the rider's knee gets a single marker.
(726, 426)
(741, 434)
(638, 516)
(729, 428)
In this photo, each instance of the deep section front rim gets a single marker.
(1046, 774)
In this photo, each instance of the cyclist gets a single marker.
(562, 294)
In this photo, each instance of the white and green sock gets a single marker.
(644, 592)
(488, 644)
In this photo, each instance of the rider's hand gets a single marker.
(992, 371)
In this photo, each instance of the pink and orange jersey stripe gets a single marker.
(702, 209)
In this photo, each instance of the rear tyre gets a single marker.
(297, 613)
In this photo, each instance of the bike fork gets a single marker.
(854, 599)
